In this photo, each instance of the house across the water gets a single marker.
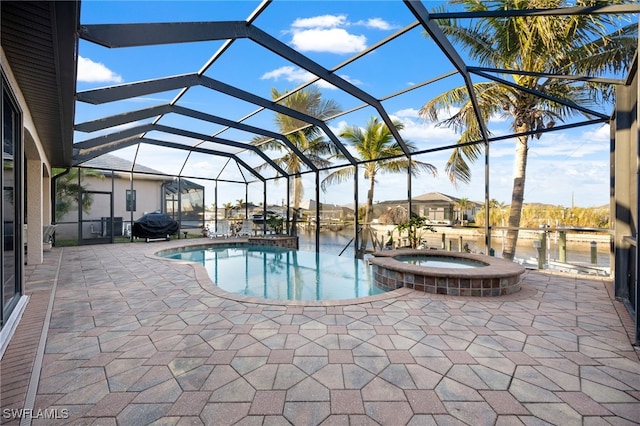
(438, 208)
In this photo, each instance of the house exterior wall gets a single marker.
(25, 140)
(148, 195)
(148, 199)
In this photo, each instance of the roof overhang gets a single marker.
(40, 42)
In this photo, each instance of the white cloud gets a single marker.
(353, 81)
(333, 40)
(377, 23)
(339, 127)
(572, 145)
(288, 73)
(327, 33)
(323, 21)
(95, 72)
(298, 76)
(407, 112)
(600, 134)
(560, 181)
(423, 133)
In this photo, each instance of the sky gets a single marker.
(567, 168)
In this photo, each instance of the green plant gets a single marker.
(415, 226)
(275, 224)
(68, 189)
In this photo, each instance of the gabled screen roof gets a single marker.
(210, 79)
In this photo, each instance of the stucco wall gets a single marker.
(148, 199)
(38, 201)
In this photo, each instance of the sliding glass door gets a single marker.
(11, 202)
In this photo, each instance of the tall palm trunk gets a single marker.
(297, 198)
(517, 196)
(367, 217)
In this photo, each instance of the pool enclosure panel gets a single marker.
(625, 173)
(93, 226)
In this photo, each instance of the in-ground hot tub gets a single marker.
(443, 272)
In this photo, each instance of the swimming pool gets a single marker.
(283, 274)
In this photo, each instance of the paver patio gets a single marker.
(134, 340)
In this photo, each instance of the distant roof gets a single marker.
(112, 162)
(436, 196)
(115, 163)
(430, 196)
(185, 186)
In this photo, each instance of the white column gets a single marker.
(34, 211)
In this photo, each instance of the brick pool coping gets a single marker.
(498, 277)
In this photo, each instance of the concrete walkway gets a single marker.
(133, 340)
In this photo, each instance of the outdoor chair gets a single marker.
(48, 232)
(247, 228)
(222, 230)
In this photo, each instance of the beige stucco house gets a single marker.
(438, 208)
(126, 197)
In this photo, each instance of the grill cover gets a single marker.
(155, 225)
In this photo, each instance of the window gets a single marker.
(11, 203)
(131, 200)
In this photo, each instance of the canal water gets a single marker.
(577, 251)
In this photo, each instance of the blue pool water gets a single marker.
(440, 261)
(284, 274)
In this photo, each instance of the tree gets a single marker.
(462, 205)
(394, 216)
(68, 189)
(415, 227)
(228, 207)
(308, 139)
(576, 44)
(375, 142)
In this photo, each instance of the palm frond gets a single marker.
(457, 168)
(308, 139)
(401, 166)
(337, 177)
(444, 101)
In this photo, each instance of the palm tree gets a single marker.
(375, 142)
(577, 44)
(309, 140)
(462, 205)
(228, 207)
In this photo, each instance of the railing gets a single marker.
(587, 249)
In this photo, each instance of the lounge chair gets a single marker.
(222, 230)
(247, 228)
(48, 232)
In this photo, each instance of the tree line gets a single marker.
(535, 215)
